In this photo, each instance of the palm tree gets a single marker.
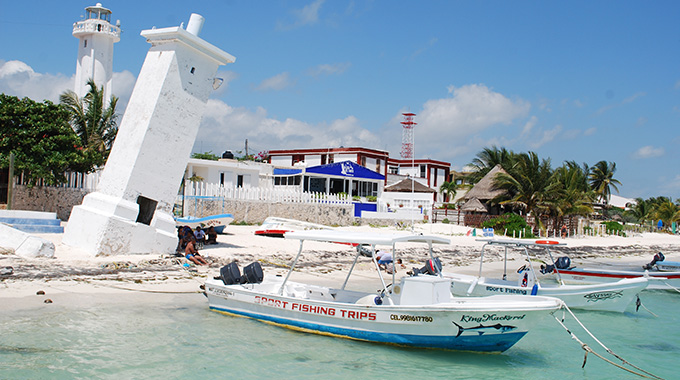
(526, 184)
(668, 212)
(602, 180)
(642, 210)
(95, 125)
(569, 193)
(487, 159)
(448, 190)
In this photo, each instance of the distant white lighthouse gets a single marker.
(96, 37)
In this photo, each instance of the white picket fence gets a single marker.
(276, 195)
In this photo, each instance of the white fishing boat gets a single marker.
(277, 227)
(661, 274)
(613, 296)
(219, 222)
(416, 311)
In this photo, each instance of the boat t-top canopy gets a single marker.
(363, 238)
(523, 244)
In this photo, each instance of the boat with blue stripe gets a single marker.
(219, 222)
(417, 310)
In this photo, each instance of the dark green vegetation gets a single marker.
(532, 187)
(49, 139)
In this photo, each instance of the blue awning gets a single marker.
(287, 171)
(345, 169)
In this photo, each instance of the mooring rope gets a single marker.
(587, 349)
(672, 287)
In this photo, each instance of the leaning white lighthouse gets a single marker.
(96, 37)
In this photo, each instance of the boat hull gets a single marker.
(219, 222)
(488, 325)
(657, 280)
(615, 296)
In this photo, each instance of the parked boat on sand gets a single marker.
(277, 227)
(614, 296)
(219, 222)
(416, 311)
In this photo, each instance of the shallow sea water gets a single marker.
(180, 338)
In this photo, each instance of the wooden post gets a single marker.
(10, 181)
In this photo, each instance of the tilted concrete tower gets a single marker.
(131, 211)
(96, 37)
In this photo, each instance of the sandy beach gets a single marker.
(75, 278)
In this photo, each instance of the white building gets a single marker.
(96, 36)
(230, 173)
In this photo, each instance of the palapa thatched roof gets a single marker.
(474, 205)
(404, 186)
(484, 189)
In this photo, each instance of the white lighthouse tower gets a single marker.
(131, 211)
(96, 37)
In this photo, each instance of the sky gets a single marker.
(580, 81)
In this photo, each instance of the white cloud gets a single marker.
(431, 42)
(470, 110)
(529, 126)
(329, 69)
(276, 83)
(20, 80)
(648, 152)
(677, 85)
(590, 131)
(308, 15)
(545, 137)
(226, 128)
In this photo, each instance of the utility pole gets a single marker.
(246, 148)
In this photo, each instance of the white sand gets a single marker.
(75, 278)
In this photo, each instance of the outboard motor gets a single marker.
(230, 274)
(658, 257)
(252, 273)
(432, 267)
(563, 262)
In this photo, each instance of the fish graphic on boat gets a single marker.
(481, 329)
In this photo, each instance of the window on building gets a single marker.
(362, 161)
(84, 43)
(239, 181)
(222, 179)
(394, 169)
(377, 165)
(423, 171)
(331, 158)
(298, 158)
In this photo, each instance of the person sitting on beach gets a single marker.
(212, 236)
(199, 235)
(191, 253)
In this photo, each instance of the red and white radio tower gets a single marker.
(407, 135)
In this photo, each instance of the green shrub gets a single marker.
(446, 221)
(372, 198)
(510, 224)
(614, 228)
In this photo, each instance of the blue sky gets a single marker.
(573, 80)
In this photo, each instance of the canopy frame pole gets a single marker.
(356, 258)
(292, 267)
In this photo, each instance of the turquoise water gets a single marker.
(177, 337)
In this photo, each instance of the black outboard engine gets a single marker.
(230, 274)
(252, 274)
(561, 263)
(658, 257)
(432, 267)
